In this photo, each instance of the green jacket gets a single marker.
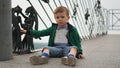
(72, 36)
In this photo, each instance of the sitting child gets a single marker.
(64, 40)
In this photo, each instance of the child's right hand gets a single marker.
(23, 31)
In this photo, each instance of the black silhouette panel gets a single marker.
(30, 19)
(16, 20)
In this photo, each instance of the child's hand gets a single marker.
(80, 56)
(23, 31)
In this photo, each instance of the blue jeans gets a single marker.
(59, 50)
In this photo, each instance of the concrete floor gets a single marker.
(101, 52)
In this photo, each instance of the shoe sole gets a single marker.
(36, 60)
(68, 61)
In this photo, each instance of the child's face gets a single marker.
(61, 18)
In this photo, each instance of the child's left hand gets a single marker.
(80, 56)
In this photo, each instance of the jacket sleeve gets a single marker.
(40, 33)
(77, 42)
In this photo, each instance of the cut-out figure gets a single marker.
(87, 15)
(16, 35)
(97, 7)
(75, 10)
(30, 19)
(46, 1)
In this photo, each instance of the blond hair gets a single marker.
(61, 9)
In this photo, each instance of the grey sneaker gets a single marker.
(37, 60)
(71, 61)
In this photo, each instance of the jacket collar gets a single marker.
(70, 27)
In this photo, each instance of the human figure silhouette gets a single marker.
(46, 1)
(97, 7)
(16, 35)
(29, 21)
(75, 10)
(87, 15)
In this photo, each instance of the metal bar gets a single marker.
(112, 19)
(38, 14)
(70, 12)
(80, 19)
(45, 11)
(83, 7)
(72, 18)
(115, 16)
(59, 2)
(55, 3)
(115, 22)
(50, 7)
(92, 19)
(76, 21)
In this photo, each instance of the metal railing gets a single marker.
(97, 23)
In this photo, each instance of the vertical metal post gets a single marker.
(112, 19)
(5, 30)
